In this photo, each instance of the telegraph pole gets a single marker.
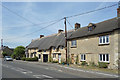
(65, 38)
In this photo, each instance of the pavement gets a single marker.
(37, 70)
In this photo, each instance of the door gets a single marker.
(45, 57)
(72, 58)
(59, 58)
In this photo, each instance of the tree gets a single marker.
(4, 54)
(19, 51)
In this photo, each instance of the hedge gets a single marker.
(30, 59)
(102, 65)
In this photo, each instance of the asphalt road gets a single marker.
(20, 69)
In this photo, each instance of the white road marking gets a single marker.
(47, 76)
(42, 76)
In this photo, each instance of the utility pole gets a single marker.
(65, 37)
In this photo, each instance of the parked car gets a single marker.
(8, 58)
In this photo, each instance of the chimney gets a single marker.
(118, 9)
(77, 26)
(60, 30)
(41, 36)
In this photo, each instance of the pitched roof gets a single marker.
(102, 27)
(47, 42)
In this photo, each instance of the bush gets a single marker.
(92, 64)
(102, 65)
(23, 58)
(31, 59)
(84, 63)
(54, 61)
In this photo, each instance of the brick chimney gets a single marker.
(118, 9)
(60, 30)
(77, 26)
(41, 36)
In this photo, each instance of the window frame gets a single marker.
(74, 43)
(83, 57)
(105, 58)
(101, 39)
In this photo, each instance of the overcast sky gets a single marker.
(14, 27)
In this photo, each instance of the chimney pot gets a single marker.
(60, 30)
(41, 36)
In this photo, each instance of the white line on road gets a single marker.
(47, 76)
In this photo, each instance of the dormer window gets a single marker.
(91, 26)
(53, 48)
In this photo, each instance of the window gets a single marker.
(90, 28)
(44, 50)
(83, 57)
(54, 55)
(53, 48)
(104, 39)
(104, 57)
(73, 43)
(61, 47)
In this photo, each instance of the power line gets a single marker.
(39, 29)
(17, 14)
(44, 27)
(69, 23)
(66, 17)
(92, 11)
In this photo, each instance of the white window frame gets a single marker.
(73, 45)
(105, 58)
(101, 37)
(84, 59)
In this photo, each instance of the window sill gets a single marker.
(83, 60)
(73, 46)
(105, 61)
(102, 44)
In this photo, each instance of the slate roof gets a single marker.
(102, 27)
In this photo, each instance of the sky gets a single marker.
(15, 30)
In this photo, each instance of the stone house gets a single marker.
(96, 43)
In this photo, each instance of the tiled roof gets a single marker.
(102, 27)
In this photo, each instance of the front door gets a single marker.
(72, 58)
(59, 58)
(45, 57)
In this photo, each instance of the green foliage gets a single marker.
(50, 59)
(102, 65)
(77, 60)
(19, 51)
(92, 64)
(4, 54)
(13, 56)
(84, 63)
(23, 58)
(54, 61)
(32, 59)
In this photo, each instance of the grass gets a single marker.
(99, 69)
(114, 71)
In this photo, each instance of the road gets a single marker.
(20, 69)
